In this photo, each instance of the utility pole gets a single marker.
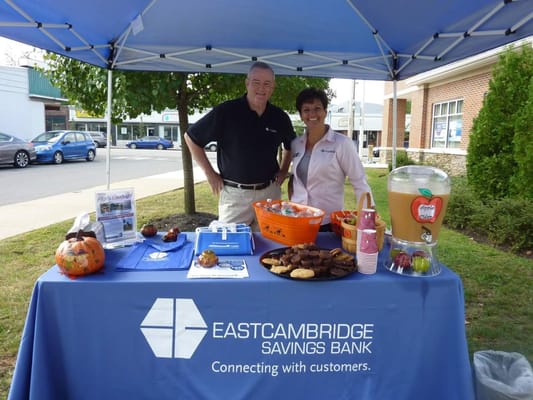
(362, 125)
(351, 115)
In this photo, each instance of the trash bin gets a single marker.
(502, 376)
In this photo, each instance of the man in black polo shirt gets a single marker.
(248, 131)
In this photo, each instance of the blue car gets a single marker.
(57, 146)
(150, 142)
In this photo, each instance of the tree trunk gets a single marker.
(188, 174)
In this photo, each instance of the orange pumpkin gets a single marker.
(81, 255)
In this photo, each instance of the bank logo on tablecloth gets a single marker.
(173, 328)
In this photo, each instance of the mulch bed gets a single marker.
(185, 222)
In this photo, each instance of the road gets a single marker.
(43, 180)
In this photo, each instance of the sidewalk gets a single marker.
(24, 217)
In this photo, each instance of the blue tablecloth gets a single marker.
(158, 335)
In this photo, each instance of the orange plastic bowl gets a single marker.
(288, 230)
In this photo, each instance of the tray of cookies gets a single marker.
(309, 262)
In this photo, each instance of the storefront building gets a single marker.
(163, 124)
(29, 104)
(443, 104)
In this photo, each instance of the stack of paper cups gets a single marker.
(367, 253)
(367, 220)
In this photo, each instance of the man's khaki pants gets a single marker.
(236, 205)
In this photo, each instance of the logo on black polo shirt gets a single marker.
(173, 328)
(271, 130)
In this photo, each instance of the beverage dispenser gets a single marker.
(418, 197)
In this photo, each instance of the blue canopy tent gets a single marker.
(378, 39)
(356, 39)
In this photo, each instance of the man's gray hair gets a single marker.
(261, 65)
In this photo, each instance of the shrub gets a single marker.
(402, 159)
(491, 159)
(504, 222)
(463, 205)
(522, 181)
(509, 222)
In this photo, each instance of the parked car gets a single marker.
(211, 146)
(150, 142)
(16, 151)
(99, 138)
(57, 146)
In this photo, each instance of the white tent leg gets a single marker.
(108, 118)
(394, 122)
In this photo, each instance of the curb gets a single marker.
(27, 216)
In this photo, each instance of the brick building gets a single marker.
(444, 103)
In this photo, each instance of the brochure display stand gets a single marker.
(115, 209)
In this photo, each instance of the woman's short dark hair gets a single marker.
(308, 95)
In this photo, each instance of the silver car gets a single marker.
(98, 138)
(15, 151)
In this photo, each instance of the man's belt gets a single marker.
(248, 186)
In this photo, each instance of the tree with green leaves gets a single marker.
(500, 151)
(139, 92)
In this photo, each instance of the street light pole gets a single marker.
(362, 124)
(351, 115)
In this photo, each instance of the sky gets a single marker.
(371, 90)
(11, 52)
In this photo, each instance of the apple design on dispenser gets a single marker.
(426, 208)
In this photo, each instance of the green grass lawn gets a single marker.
(498, 285)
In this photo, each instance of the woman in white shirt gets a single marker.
(322, 159)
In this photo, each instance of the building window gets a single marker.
(447, 124)
(90, 126)
(125, 132)
(55, 122)
(171, 132)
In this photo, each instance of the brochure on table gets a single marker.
(226, 268)
(115, 209)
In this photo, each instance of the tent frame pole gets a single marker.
(108, 118)
(394, 123)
